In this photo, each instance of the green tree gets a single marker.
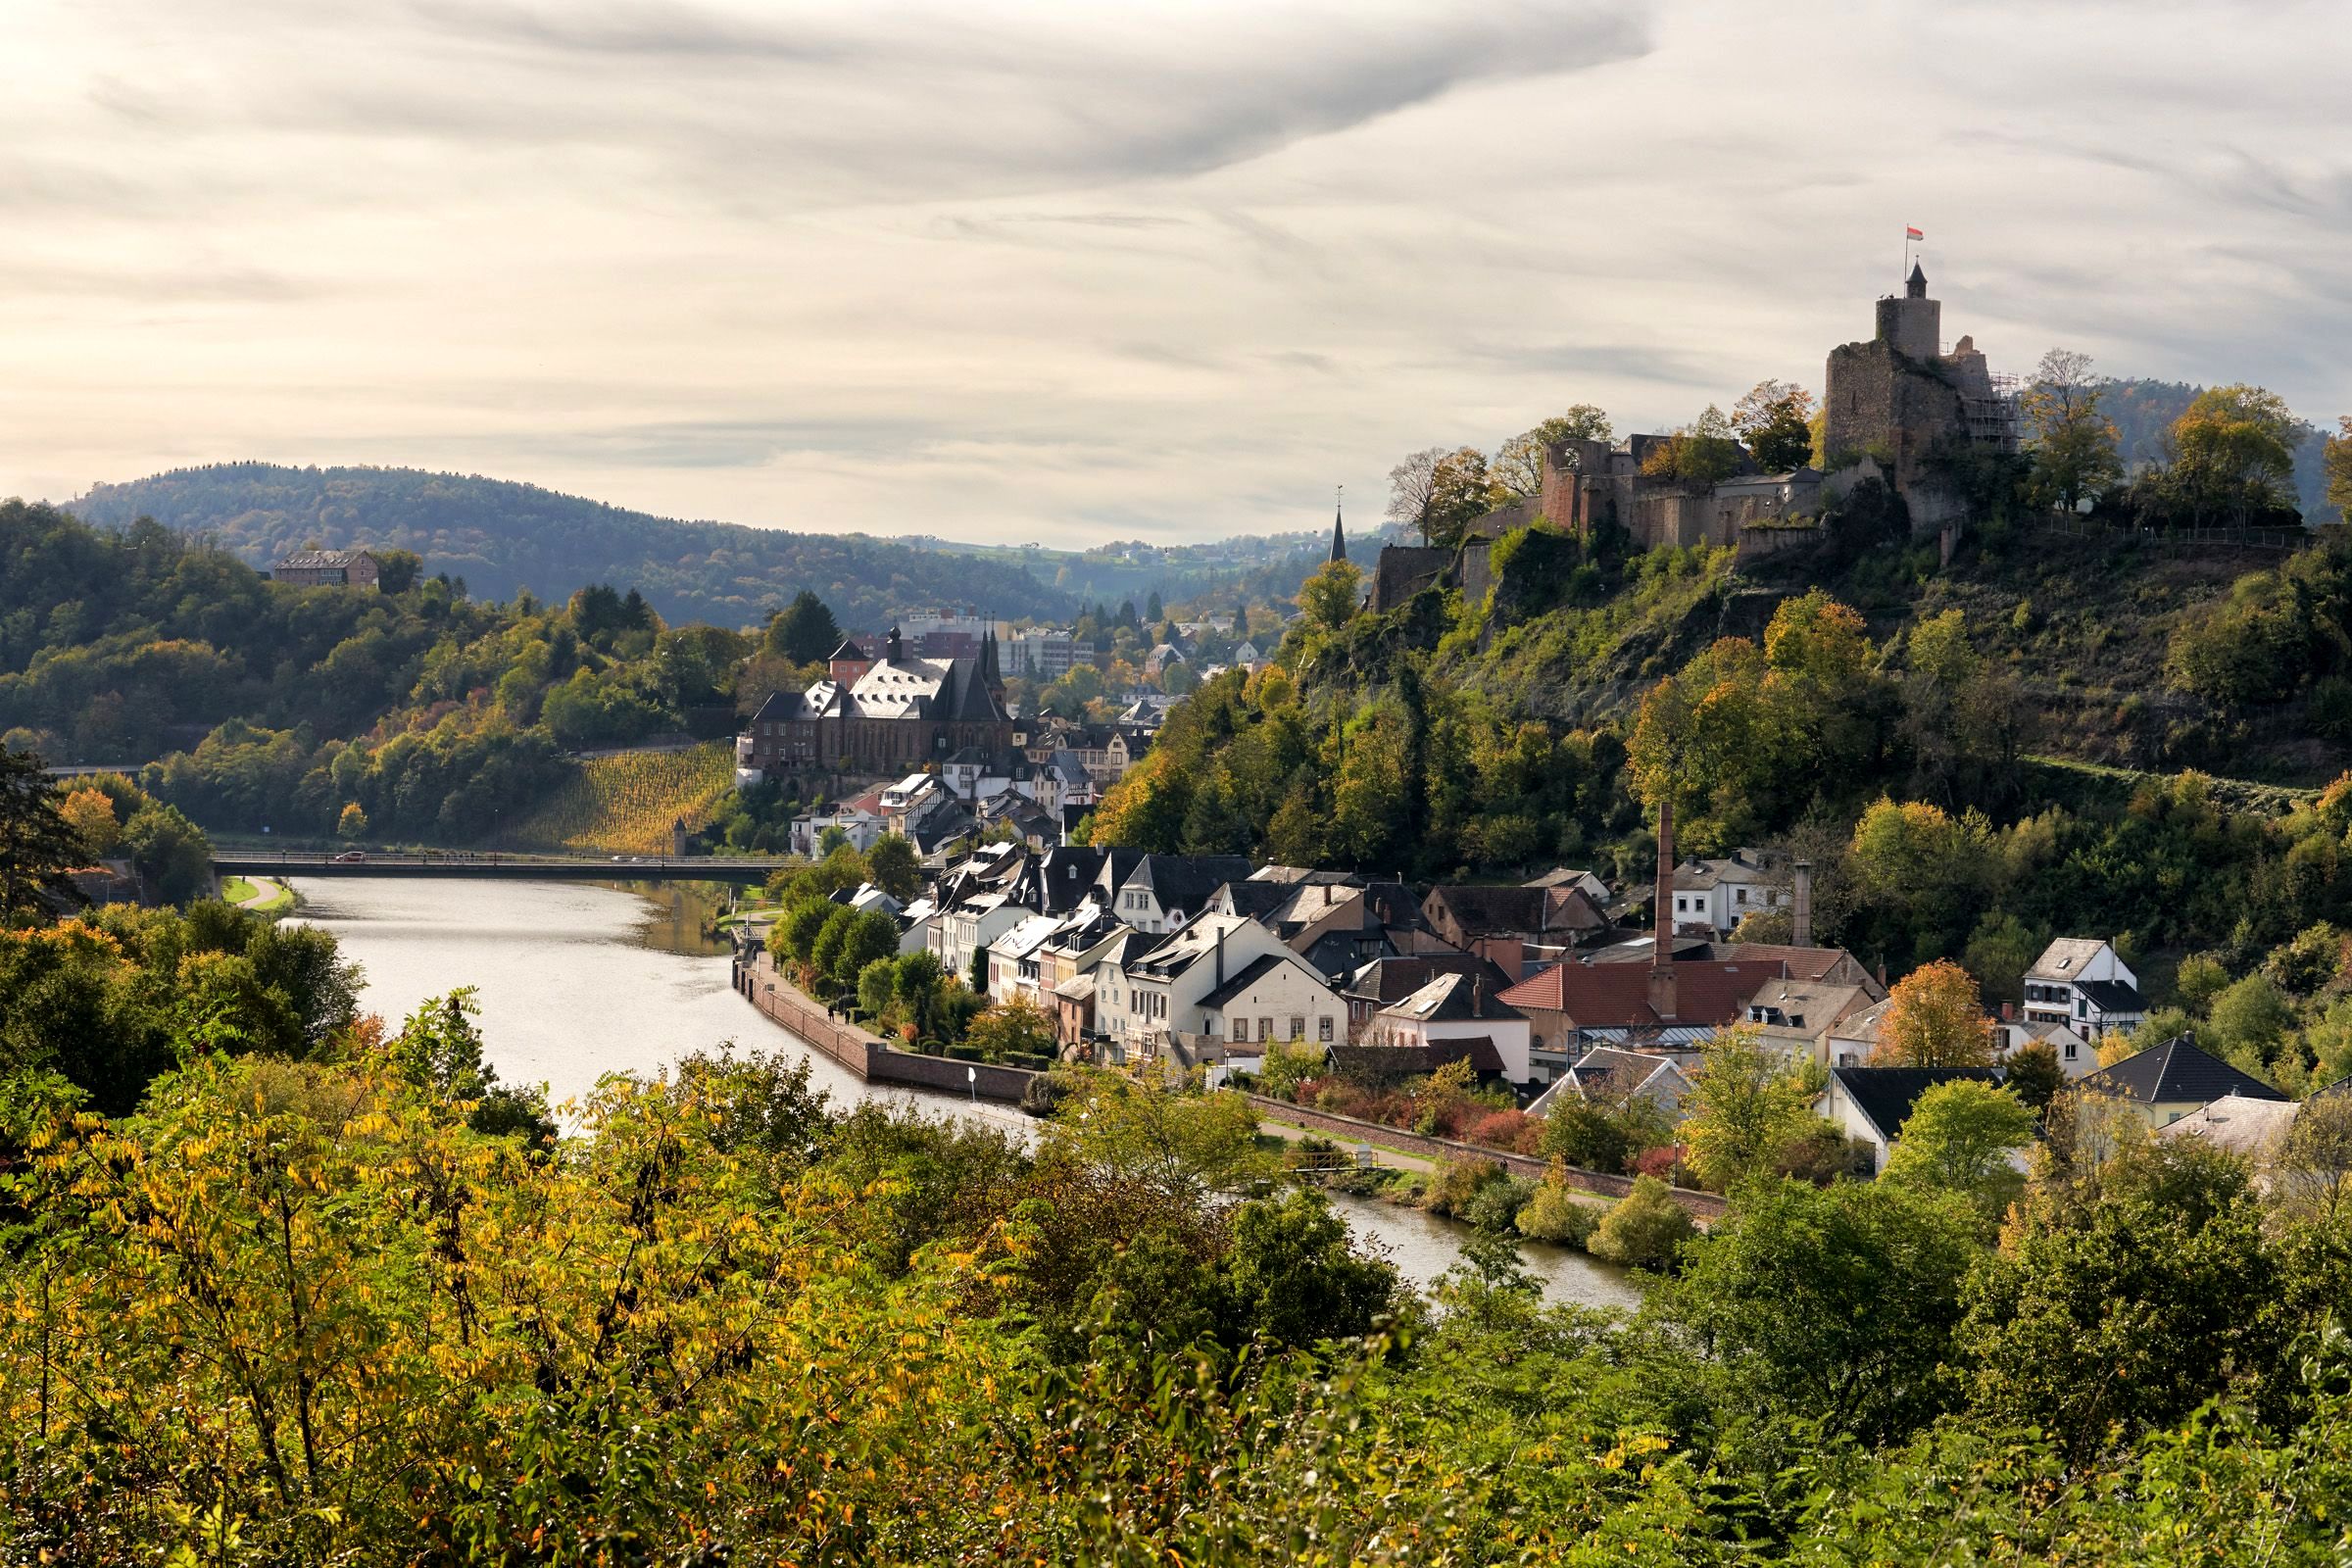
(1331, 594)
(1294, 1277)
(1831, 1305)
(1645, 1229)
(37, 846)
(803, 631)
(1959, 1139)
(1518, 464)
(892, 865)
(1186, 1149)
(1016, 1027)
(170, 851)
(1775, 421)
(2073, 446)
(1700, 453)
(1747, 1104)
(2033, 1073)
(2233, 453)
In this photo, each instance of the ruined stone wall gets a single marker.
(1881, 402)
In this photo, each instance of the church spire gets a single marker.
(1339, 535)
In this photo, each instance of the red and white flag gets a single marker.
(1912, 234)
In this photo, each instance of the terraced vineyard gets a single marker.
(626, 804)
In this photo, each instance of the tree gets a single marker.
(1645, 1229)
(2000, 951)
(2074, 445)
(1775, 421)
(1747, 1104)
(1294, 1277)
(2314, 1172)
(1958, 1140)
(170, 851)
(1935, 1019)
(1699, 454)
(37, 844)
(866, 936)
(1835, 1304)
(396, 569)
(2335, 458)
(1412, 496)
(1184, 1149)
(805, 630)
(1017, 1027)
(91, 816)
(1331, 594)
(2035, 1075)
(892, 865)
(352, 824)
(1441, 493)
(2233, 453)
(2248, 1021)
(1519, 463)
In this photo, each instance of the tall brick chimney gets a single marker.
(1661, 956)
(1800, 906)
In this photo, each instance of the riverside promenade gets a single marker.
(867, 1054)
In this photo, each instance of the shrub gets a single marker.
(1553, 1213)
(1514, 1130)
(1455, 1182)
(1646, 1229)
(960, 1051)
(1496, 1204)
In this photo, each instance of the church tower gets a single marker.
(1339, 535)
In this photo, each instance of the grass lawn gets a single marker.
(266, 896)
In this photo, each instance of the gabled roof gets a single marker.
(2239, 1123)
(1451, 999)
(1251, 973)
(1616, 996)
(2065, 959)
(1187, 881)
(2112, 996)
(322, 560)
(2175, 1072)
(1256, 900)
(1885, 1095)
(1808, 1004)
(1391, 979)
(848, 650)
(1609, 1070)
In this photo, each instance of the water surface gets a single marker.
(576, 980)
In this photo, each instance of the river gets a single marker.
(577, 980)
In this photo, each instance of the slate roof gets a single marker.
(2111, 996)
(2239, 1123)
(1606, 1069)
(1187, 881)
(2343, 1086)
(322, 560)
(1256, 900)
(1252, 972)
(1885, 1095)
(1609, 996)
(2065, 959)
(1391, 979)
(2173, 1072)
(1451, 999)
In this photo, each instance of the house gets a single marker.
(1060, 879)
(1161, 892)
(1392, 977)
(1872, 1103)
(2165, 1083)
(860, 819)
(2080, 982)
(1460, 1011)
(2077, 1057)
(899, 710)
(1721, 892)
(1853, 1039)
(1275, 997)
(2254, 1130)
(1797, 1015)
(1571, 1007)
(1012, 957)
(1153, 993)
(326, 569)
(967, 927)
(1563, 916)
(1610, 1074)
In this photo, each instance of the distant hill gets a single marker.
(2143, 411)
(501, 536)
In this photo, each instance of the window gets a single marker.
(2069, 1052)
(1323, 1029)
(1297, 1027)
(1738, 895)
(1240, 1028)
(1266, 1028)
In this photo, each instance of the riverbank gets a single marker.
(269, 895)
(867, 1054)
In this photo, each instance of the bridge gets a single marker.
(491, 867)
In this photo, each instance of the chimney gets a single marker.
(1478, 995)
(1800, 906)
(1661, 956)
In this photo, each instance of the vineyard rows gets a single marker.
(626, 804)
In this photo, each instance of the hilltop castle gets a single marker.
(1891, 407)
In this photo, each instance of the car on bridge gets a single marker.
(351, 858)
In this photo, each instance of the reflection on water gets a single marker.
(576, 980)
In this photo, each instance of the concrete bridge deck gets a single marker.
(489, 866)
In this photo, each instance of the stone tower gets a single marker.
(1912, 321)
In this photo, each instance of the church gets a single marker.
(891, 716)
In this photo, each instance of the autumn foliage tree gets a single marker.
(1775, 421)
(1934, 1019)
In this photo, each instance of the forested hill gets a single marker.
(501, 536)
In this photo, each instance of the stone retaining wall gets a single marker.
(1698, 1206)
(870, 1058)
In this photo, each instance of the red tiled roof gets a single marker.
(1602, 995)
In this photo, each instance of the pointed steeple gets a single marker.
(1339, 535)
(1917, 286)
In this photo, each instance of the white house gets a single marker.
(859, 818)
(1872, 1103)
(1611, 1074)
(1278, 996)
(2077, 1057)
(1159, 892)
(1722, 893)
(2080, 982)
(1458, 1008)
(970, 925)
(1014, 957)
(1156, 991)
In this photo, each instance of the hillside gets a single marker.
(502, 536)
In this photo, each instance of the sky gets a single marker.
(1075, 272)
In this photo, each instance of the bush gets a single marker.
(1497, 1206)
(1647, 1229)
(1553, 1213)
(1455, 1182)
(960, 1051)
(1514, 1130)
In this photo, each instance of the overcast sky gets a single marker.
(1069, 272)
